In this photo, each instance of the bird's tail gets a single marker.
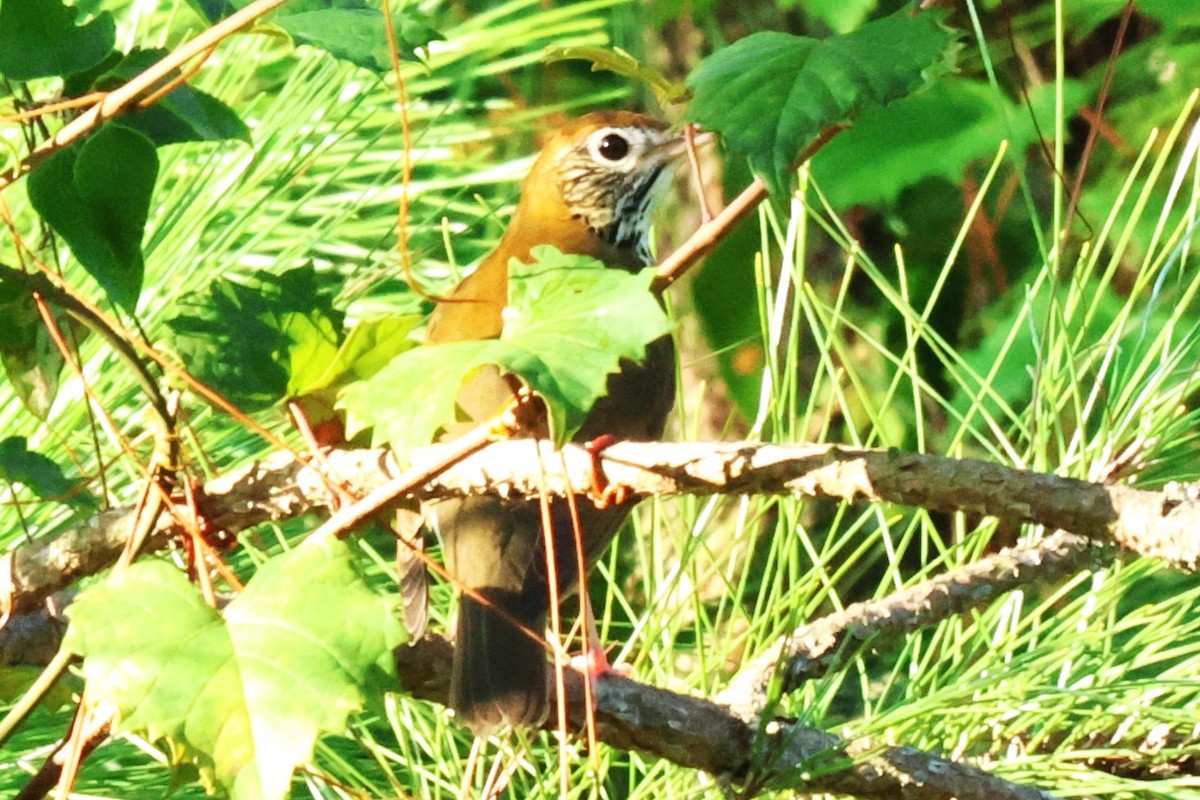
(500, 673)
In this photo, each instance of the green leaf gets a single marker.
(840, 15)
(770, 94)
(184, 114)
(411, 398)
(569, 321)
(39, 39)
(32, 362)
(935, 133)
(259, 344)
(354, 31)
(43, 477)
(368, 347)
(97, 197)
(305, 645)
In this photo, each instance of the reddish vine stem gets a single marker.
(710, 234)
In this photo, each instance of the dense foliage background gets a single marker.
(998, 266)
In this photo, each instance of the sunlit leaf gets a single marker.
(250, 690)
(569, 322)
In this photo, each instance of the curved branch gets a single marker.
(1161, 524)
(697, 733)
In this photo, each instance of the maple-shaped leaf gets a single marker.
(249, 690)
(569, 322)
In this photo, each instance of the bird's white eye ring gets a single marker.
(612, 146)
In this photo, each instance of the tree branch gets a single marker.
(700, 734)
(689, 731)
(1162, 524)
(812, 649)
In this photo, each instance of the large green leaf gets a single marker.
(934, 133)
(569, 321)
(97, 196)
(259, 344)
(39, 39)
(248, 691)
(770, 93)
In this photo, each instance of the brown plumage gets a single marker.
(588, 193)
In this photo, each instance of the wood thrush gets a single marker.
(588, 193)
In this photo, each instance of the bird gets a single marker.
(588, 193)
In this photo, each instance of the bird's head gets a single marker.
(596, 179)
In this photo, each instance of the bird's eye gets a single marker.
(613, 147)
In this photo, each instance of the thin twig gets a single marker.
(1096, 120)
(183, 77)
(710, 234)
(689, 133)
(349, 516)
(49, 774)
(52, 108)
